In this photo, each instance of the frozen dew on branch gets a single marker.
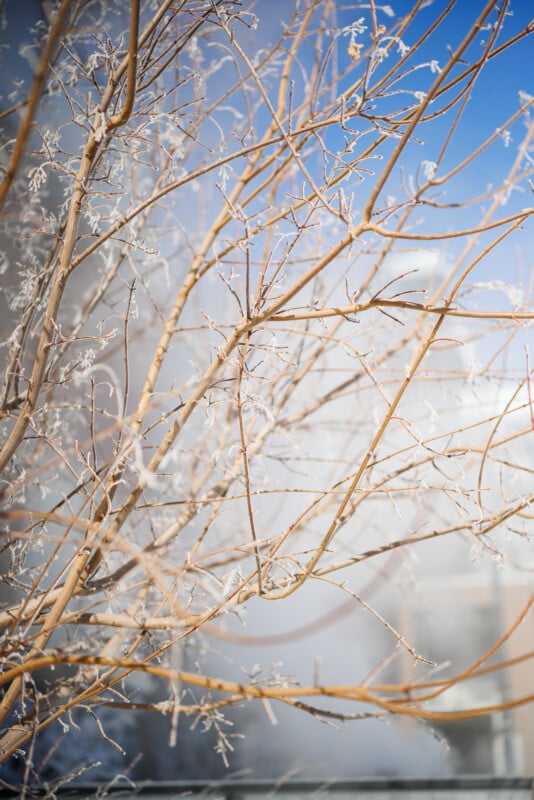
(429, 169)
(93, 63)
(378, 55)
(17, 92)
(225, 170)
(27, 289)
(525, 98)
(99, 126)
(37, 177)
(506, 137)
(193, 51)
(514, 292)
(353, 30)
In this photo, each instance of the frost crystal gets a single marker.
(224, 172)
(354, 28)
(525, 98)
(37, 176)
(100, 126)
(506, 137)
(429, 169)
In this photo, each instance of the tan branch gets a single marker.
(41, 72)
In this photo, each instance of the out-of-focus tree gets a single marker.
(264, 328)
